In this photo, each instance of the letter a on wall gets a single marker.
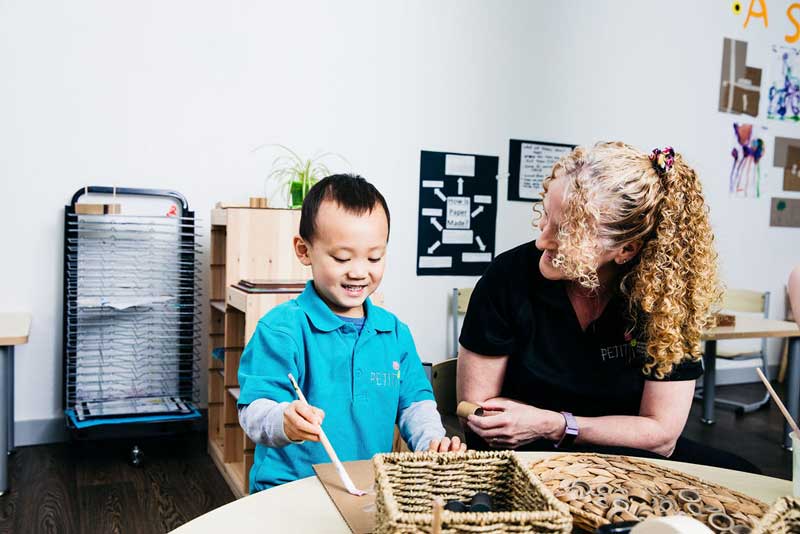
(457, 213)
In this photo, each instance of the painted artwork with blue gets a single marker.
(784, 93)
(745, 178)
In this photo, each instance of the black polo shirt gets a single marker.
(554, 364)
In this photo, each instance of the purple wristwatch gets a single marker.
(570, 432)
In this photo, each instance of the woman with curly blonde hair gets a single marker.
(589, 337)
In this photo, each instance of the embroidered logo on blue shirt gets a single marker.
(387, 379)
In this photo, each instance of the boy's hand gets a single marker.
(447, 445)
(301, 422)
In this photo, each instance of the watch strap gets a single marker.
(570, 431)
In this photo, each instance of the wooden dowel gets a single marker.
(777, 400)
(437, 516)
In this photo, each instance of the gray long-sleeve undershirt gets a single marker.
(262, 421)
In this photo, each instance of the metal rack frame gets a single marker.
(130, 316)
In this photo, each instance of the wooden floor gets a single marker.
(756, 436)
(89, 487)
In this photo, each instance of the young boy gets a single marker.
(353, 359)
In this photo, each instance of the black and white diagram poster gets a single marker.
(529, 163)
(458, 210)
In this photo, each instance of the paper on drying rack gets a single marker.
(121, 303)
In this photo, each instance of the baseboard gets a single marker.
(40, 431)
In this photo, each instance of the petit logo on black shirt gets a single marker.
(630, 351)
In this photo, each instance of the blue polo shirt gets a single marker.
(362, 382)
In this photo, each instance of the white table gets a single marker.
(304, 506)
(14, 330)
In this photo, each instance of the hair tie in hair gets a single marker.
(662, 160)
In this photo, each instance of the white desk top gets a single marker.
(304, 506)
(14, 328)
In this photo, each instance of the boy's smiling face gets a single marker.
(347, 256)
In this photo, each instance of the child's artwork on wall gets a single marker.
(787, 157)
(740, 85)
(746, 177)
(785, 212)
(784, 90)
(791, 172)
(458, 210)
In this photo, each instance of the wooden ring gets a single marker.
(580, 484)
(639, 494)
(613, 512)
(688, 496)
(692, 508)
(720, 522)
(621, 503)
(667, 505)
(603, 489)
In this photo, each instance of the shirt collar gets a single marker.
(325, 320)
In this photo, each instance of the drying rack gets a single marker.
(131, 320)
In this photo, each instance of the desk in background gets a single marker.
(14, 330)
(747, 328)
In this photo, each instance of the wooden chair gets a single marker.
(458, 303)
(743, 301)
(443, 377)
(443, 374)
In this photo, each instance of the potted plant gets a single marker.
(292, 176)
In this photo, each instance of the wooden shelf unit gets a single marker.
(245, 244)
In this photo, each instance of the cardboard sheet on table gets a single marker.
(358, 512)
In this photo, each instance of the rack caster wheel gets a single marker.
(137, 456)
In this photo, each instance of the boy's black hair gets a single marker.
(350, 191)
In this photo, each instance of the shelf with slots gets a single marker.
(231, 449)
(246, 244)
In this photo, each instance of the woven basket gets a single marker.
(602, 489)
(782, 518)
(407, 484)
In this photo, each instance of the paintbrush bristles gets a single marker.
(777, 400)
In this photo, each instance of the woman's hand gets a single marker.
(508, 424)
(447, 445)
(301, 421)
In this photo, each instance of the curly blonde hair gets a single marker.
(614, 196)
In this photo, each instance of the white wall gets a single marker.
(177, 94)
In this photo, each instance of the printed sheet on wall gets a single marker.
(529, 163)
(457, 213)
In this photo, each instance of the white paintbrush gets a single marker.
(345, 478)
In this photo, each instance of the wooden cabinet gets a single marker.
(245, 244)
